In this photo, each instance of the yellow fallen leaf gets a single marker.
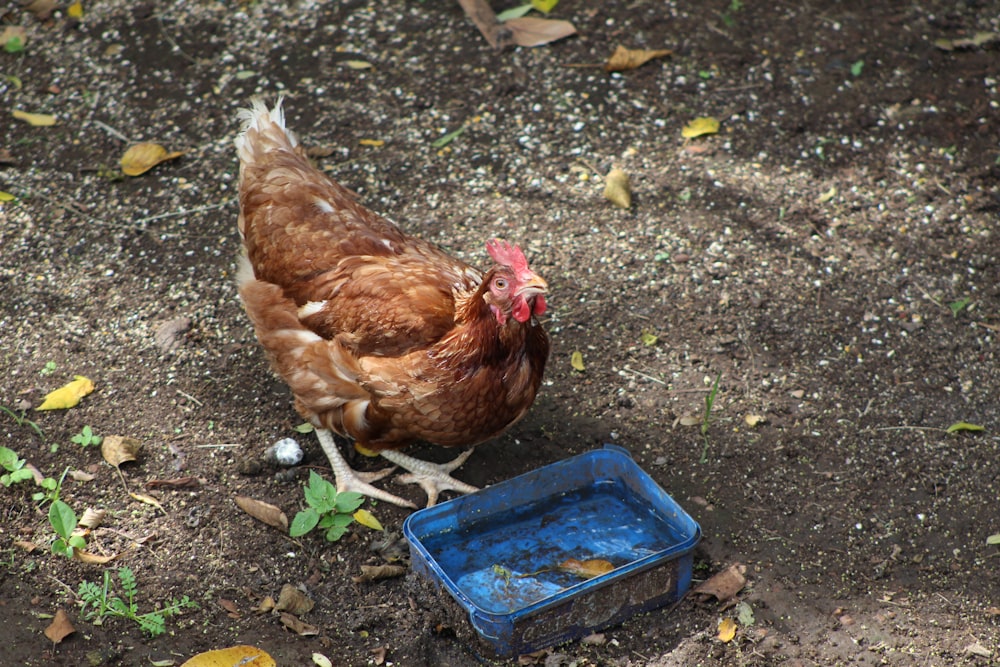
(140, 158)
(625, 59)
(367, 519)
(576, 360)
(149, 500)
(587, 569)
(35, 119)
(753, 420)
(244, 656)
(75, 11)
(372, 142)
(6, 196)
(67, 396)
(700, 126)
(617, 188)
(544, 6)
(828, 195)
(727, 630)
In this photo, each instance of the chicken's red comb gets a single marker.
(507, 255)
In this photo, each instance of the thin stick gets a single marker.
(190, 397)
(641, 374)
(110, 130)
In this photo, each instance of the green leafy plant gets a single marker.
(706, 418)
(63, 521)
(15, 467)
(327, 509)
(21, 420)
(48, 369)
(727, 16)
(99, 604)
(958, 306)
(87, 437)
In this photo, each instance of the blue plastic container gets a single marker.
(498, 551)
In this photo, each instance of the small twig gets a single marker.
(64, 585)
(928, 295)
(110, 130)
(174, 214)
(218, 446)
(641, 374)
(910, 428)
(190, 398)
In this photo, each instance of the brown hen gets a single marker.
(381, 336)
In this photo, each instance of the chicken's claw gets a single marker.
(433, 478)
(349, 479)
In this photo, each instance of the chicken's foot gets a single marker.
(433, 478)
(349, 479)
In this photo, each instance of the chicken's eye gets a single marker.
(500, 284)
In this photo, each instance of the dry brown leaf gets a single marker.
(724, 585)
(81, 476)
(169, 335)
(266, 605)
(14, 32)
(293, 600)
(264, 512)
(378, 654)
(244, 656)
(119, 449)
(92, 518)
(42, 9)
(24, 544)
(625, 59)
(140, 158)
(588, 569)
(230, 607)
(531, 31)
(60, 627)
(92, 558)
(617, 188)
(298, 627)
(753, 420)
(376, 572)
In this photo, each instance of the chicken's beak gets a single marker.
(532, 290)
(532, 285)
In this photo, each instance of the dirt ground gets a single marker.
(831, 252)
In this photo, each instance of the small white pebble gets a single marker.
(285, 452)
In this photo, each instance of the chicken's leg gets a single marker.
(432, 477)
(349, 479)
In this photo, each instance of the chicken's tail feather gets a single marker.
(263, 130)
